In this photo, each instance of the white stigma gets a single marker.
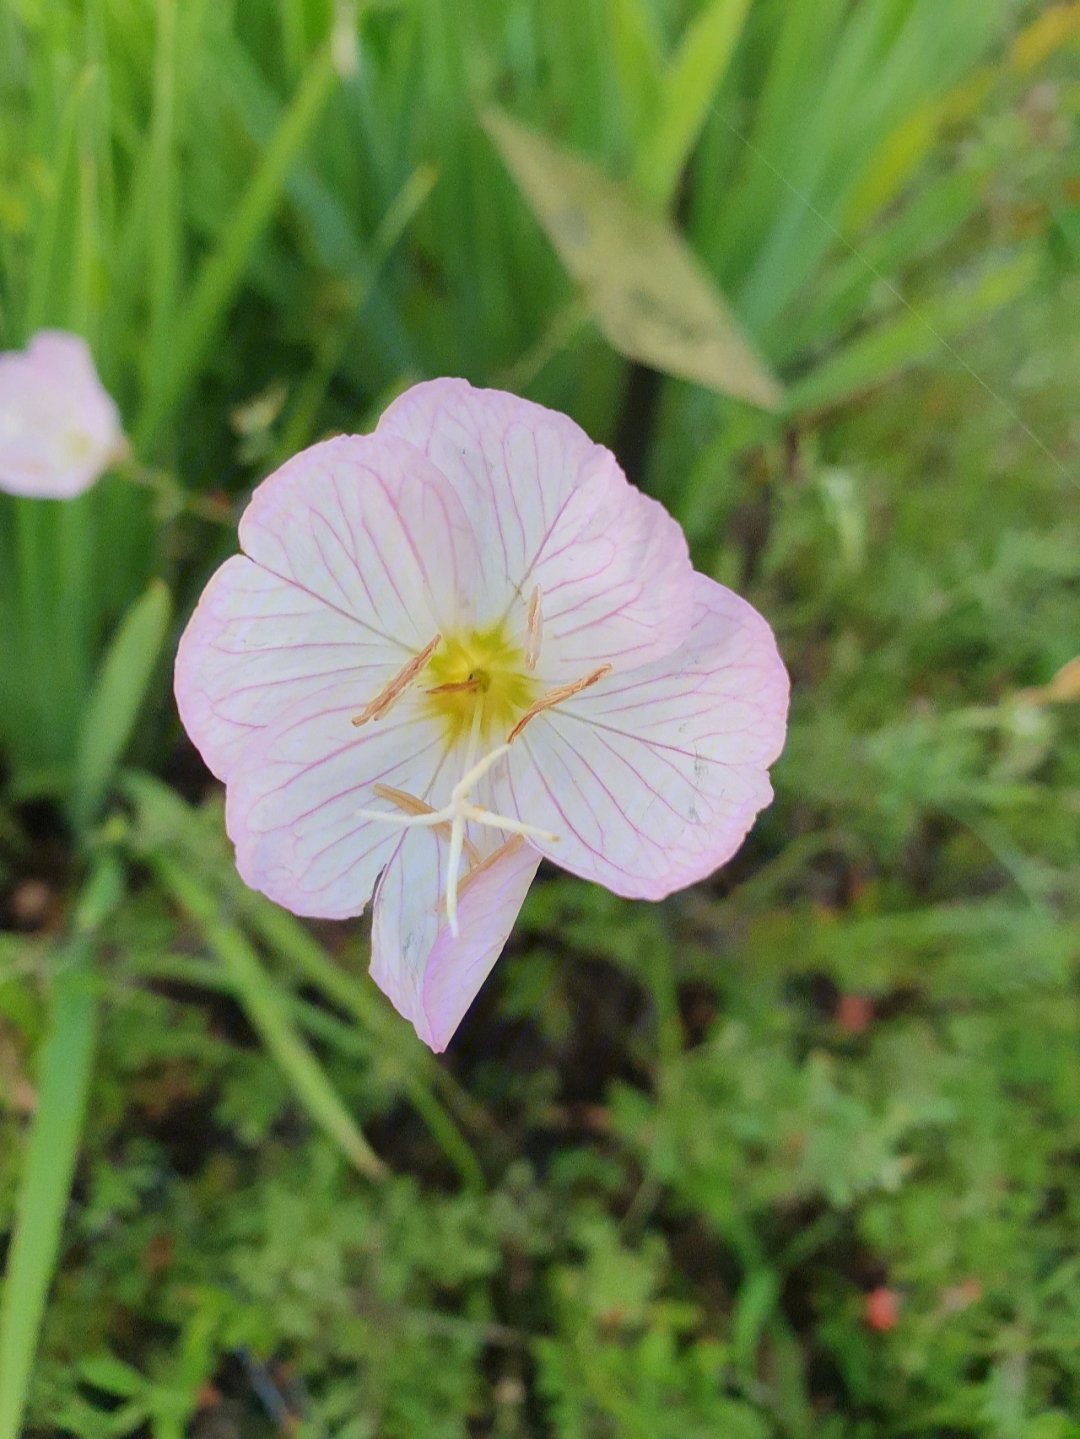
(459, 812)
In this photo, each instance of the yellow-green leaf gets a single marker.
(653, 299)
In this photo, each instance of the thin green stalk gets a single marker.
(173, 499)
(267, 1009)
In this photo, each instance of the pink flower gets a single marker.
(59, 430)
(453, 647)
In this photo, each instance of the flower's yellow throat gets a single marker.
(482, 669)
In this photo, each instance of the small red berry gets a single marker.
(854, 1013)
(881, 1308)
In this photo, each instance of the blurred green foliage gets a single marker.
(792, 1154)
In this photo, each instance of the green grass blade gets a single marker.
(41, 307)
(688, 90)
(913, 336)
(639, 64)
(50, 1164)
(117, 697)
(204, 310)
(164, 230)
(268, 1012)
(402, 1060)
(53, 1148)
(305, 410)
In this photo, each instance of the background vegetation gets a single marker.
(794, 1153)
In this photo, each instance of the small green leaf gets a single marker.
(117, 697)
(689, 86)
(754, 1304)
(112, 1376)
(650, 295)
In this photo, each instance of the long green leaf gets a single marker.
(117, 698)
(50, 1164)
(204, 310)
(267, 1009)
(639, 64)
(163, 228)
(63, 1086)
(689, 86)
(913, 336)
(402, 1061)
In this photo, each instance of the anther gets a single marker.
(556, 697)
(401, 681)
(534, 629)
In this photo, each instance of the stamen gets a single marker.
(432, 820)
(556, 697)
(411, 805)
(450, 821)
(401, 681)
(404, 801)
(534, 629)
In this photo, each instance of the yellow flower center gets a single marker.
(482, 669)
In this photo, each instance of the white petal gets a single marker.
(430, 976)
(652, 778)
(371, 528)
(295, 789)
(615, 578)
(257, 644)
(556, 510)
(513, 465)
(359, 555)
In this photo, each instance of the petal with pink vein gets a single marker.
(428, 974)
(365, 523)
(615, 577)
(292, 799)
(357, 551)
(513, 465)
(651, 779)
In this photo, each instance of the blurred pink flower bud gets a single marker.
(456, 646)
(59, 429)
